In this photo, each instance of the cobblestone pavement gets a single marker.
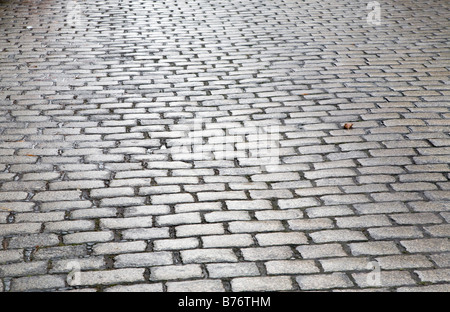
(100, 189)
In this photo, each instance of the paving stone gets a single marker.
(190, 207)
(397, 196)
(438, 230)
(144, 259)
(434, 276)
(69, 226)
(145, 233)
(176, 244)
(337, 236)
(171, 199)
(344, 199)
(80, 184)
(374, 248)
(93, 213)
(199, 229)
(176, 272)
(33, 240)
(14, 255)
(213, 196)
(109, 277)
(150, 190)
(395, 232)
(386, 279)
(122, 201)
(23, 269)
(279, 214)
(88, 237)
(310, 224)
(223, 216)
(118, 248)
(297, 203)
(255, 226)
(363, 221)
(258, 284)
(60, 252)
(427, 245)
(316, 191)
(125, 223)
(57, 195)
(20, 228)
(249, 205)
(281, 238)
(403, 262)
(381, 208)
(208, 255)
(431, 288)
(196, 286)
(228, 270)
(65, 205)
(83, 264)
(441, 259)
(321, 251)
(112, 192)
(39, 217)
(266, 253)
(10, 196)
(147, 210)
(415, 218)
(177, 219)
(291, 267)
(150, 288)
(438, 195)
(35, 283)
(230, 240)
(320, 174)
(345, 264)
(325, 281)
(268, 194)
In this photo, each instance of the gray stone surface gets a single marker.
(107, 169)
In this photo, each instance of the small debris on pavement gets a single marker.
(348, 126)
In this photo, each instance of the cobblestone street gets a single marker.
(224, 145)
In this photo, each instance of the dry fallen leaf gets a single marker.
(31, 155)
(348, 126)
